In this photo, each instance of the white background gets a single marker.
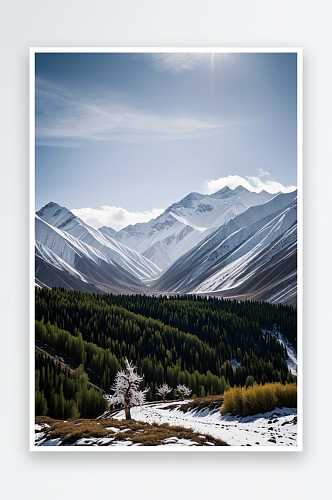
(155, 23)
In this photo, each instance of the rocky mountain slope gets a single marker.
(251, 256)
(233, 243)
(73, 255)
(185, 223)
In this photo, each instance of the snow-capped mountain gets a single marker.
(103, 245)
(63, 260)
(253, 255)
(107, 231)
(185, 223)
(233, 243)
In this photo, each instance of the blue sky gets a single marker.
(121, 136)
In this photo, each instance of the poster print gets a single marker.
(165, 249)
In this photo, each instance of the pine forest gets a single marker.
(208, 344)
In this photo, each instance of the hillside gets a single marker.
(209, 345)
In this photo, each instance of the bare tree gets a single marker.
(126, 389)
(163, 390)
(183, 391)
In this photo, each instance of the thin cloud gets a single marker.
(66, 118)
(176, 62)
(252, 183)
(114, 217)
(262, 173)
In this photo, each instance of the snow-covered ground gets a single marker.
(276, 429)
(291, 358)
(120, 434)
(273, 429)
(40, 440)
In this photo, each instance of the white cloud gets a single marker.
(176, 62)
(252, 183)
(115, 217)
(64, 118)
(262, 173)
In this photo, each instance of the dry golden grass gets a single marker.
(259, 398)
(210, 402)
(141, 433)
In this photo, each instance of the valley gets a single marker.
(234, 243)
(204, 295)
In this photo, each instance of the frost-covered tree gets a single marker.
(163, 390)
(182, 391)
(126, 389)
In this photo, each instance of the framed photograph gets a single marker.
(166, 244)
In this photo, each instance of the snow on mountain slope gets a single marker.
(64, 245)
(222, 241)
(109, 232)
(49, 275)
(51, 258)
(230, 261)
(103, 244)
(168, 246)
(291, 358)
(236, 264)
(98, 280)
(161, 240)
(233, 243)
(259, 276)
(271, 275)
(218, 208)
(284, 292)
(187, 222)
(63, 260)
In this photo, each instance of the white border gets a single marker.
(31, 248)
(32, 52)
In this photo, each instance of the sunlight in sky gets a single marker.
(143, 130)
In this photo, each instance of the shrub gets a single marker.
(250, 380)
(256, 398)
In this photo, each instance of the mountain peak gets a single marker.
(46, 207)
(225, 189)
(186, 202)
(227, 192)
(57, 216)
(107, 230)
(230, 191)
(241, 189)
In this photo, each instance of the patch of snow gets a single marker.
(179, 442)
(291, 358)
(277, 428)
(122, 443)
(50, 442)
(235, 363)
(274, 428)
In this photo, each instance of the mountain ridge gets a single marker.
(61, 218)
(162, 239)
(233, 243)
(221, 263)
